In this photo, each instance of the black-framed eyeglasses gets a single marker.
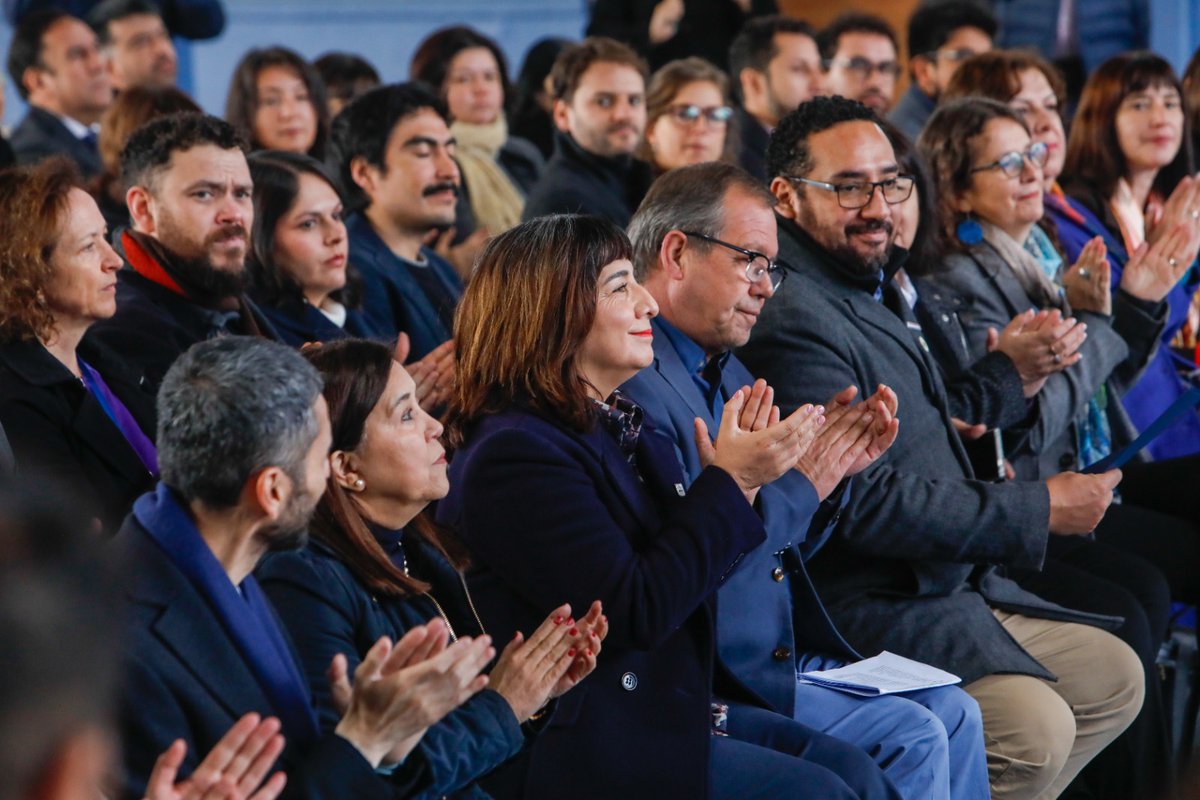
(688, 114)
(757, 264)
(858, 194)
(1011, 164)
(863, 67)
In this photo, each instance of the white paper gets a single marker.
(886, 673)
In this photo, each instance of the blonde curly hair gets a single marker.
(33, 205)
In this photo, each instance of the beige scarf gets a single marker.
(1025, 267)
(495, 200)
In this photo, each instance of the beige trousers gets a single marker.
(1039, 734)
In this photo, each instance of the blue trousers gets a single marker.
(770, 757)
(929, 743)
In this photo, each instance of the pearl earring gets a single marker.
(360, 484)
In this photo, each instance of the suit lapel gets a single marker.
(101, 434)
(1001, 276)
(672, 370)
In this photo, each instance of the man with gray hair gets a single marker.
(243, 442)
(704, 245)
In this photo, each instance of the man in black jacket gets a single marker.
(190, 202)
(600, 112)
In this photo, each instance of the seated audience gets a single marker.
(709, 292)
(130, 110)
(775, 66)
(552, 324)
(688, 116)
(667, 30)
(395, 156)
(54, 61)
(297, 259)
(600, 113)
(953, 306)
(345, 76)
(533, 99)
(860, 55)
(190, 201)
(55, 711)
(71, 409)
(912, 567)
(941, 34)
(203, 645)
(1128, 164)
(498, 170)
(277, 102)
(134, 41)
(375, 568)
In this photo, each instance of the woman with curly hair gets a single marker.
(70, 409)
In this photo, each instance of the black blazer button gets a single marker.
(781, 653)
(629, 681)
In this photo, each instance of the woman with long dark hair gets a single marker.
(277, 101)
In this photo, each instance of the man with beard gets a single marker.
(775, 67)
(860, 55)
(243, 443)
(137, 48)
(394, 153)
(189, 198)
(599, 88)
(912, 567)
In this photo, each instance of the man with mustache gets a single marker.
(859, 55)
(394, 154)
(912, 566)
(134, 41)
(189, 198)
(599, 89)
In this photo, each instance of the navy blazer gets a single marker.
(299, 323)
(393, 301)
(327, 611)
(185, 678)
(551, 516)
(42, 134)
(768, 609)
(58, 428)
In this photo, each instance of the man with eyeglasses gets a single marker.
(704, 241)
(941, 35)
(912, 567)
(859, 56)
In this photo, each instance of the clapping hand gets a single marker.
(529, 671)
(399, 691)
(433, 374)
(853, 438)
(1088, 282)
(233, 770)
(1153, 269)
(1039, 344)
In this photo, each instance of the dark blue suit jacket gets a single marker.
(186, 678)
(42, 134)
(393, 301)
(298, 323)
(328, 610)
(553, 516)
(768, 608)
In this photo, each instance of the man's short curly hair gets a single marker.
(148, 150)
(33, 206)
(788, 153)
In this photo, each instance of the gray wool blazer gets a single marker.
(1117, 350)
(912, 566)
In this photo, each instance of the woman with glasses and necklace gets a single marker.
(688, 116)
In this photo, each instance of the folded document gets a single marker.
(886, 673)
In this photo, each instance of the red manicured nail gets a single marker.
(574, 632)
(571, 652)
(594, 636)
(589, 652)
(571, 621)
(558, 620)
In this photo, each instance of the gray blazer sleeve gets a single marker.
(1066, 393)
(911, 504)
